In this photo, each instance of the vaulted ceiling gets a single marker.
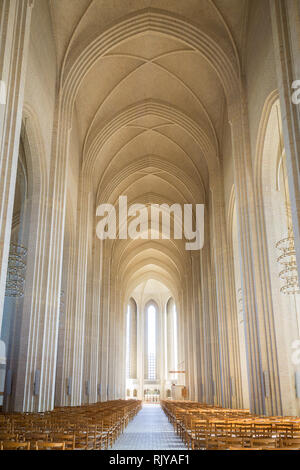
(151, 105)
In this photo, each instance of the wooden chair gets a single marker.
(6, 436)
(49, 445)
(196, 439)
(288, 444)
(245, 448)
(10, 445)
(215, 443)
(238, 442)
(265, 443)
(68, 439)
(36, 436)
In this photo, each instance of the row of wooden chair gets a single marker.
(95, 426)
(39, 445)
(203, 426)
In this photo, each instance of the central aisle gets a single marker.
(149, 430)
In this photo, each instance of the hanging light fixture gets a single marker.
(287, 259)
(16, 271)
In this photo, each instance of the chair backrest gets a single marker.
(9, 445)
(50, 446)
(5, 436)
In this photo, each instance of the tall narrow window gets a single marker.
(175, 339)
(128, 342)
(172, 340)
(151, 343)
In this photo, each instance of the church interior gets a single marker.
(166, 102)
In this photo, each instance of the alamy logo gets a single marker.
(139, 221)
(296, 94)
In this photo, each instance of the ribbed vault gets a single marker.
(150, 91)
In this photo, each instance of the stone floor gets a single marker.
(149, 430)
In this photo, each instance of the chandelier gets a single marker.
(16, 271)
(287, 259)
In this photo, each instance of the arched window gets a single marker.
(131, 339)
(128, 342)
(151, 340)
(278, 252)
(172, 338)
(174, 313)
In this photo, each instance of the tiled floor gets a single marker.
(149, 430)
